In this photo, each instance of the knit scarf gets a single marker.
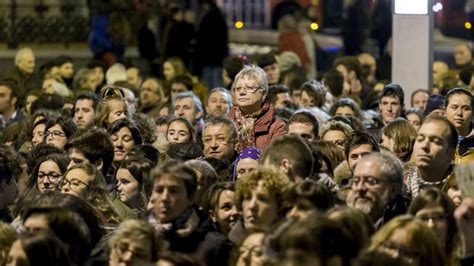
(245, 124)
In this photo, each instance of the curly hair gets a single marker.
(273, 180)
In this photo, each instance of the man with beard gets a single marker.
(376, 187)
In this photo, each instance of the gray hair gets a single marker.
(255, 72)
(190, 94)
(225, 92)
(19, 55)
(220, 120)
(390, 165)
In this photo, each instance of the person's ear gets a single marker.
(99, 164)
(285, 166)
(212, 216)
(14, 100)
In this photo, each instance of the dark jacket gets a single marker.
(24, 82)
(204, 242)
(396, 207)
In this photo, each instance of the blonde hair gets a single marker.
(107, 94)
(7, 237)
(402, 133)
(420, 239)
(336, 125)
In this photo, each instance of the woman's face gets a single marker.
(251, 251)
(398, 246)
(123, 143)
(435, 218)
(345, 111)
(168, 71)
(38, 134)
(414, 120)
(49, 176)
(128, 188)
(178, 133)
(247, 94)
(130, 251)
(56, 136)
(306, 100)
(335, 136)
(117, 110)
(225, 213)
(245, 165)
(17, 255)
(387, 142)
(302, 209)
(75, 183)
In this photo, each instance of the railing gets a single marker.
(38, 21)
(253, 13)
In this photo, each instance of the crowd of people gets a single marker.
(107, 166)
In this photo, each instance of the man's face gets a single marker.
(420, 99)
(390, 108)
(273, 73)
(439, 69)
(431, 146)
(370, 197)
(7, 102)
(170, 198)
(459, 112)
(259, 209)
(177, 88)
(76, 156)
(356, 153)
(296, 97)
(217, 142)
(133, 77)
(282, 99)
(184, 107)
(462, 55)
(217, 104)
(149, 95)
(67, 70)
(27, 63)
(343, 70)
(304, 130)
(84, 113)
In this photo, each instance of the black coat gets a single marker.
(204, 243)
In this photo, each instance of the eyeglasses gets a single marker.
(52, 176)
(369, 181)
(218, 139)
(55, 134)
(435, 217)
(73, 183)
(246, 88)
(400, 251)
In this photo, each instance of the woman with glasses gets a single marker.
(253, 116)
(436, 210)
(111, 107)
(336, 132)
(85, 181)
(48, 173)
(57, 131)
(134, 242)
(409, 238)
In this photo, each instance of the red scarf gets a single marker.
(246, 127)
